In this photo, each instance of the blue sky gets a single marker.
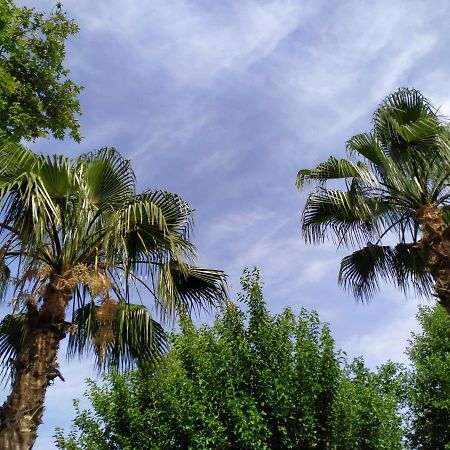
(222, 102)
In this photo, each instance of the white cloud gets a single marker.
(359, 54)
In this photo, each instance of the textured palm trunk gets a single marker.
(34, 369)
(435, 243)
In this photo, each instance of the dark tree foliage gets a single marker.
(250, 381)
(36, 96)
(429, 388)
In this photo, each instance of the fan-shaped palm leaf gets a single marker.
(129, 337)
(183, 287)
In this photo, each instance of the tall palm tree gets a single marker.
(76, 237)
(391, 200)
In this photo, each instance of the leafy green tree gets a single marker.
(250, 381)
(36, 95)
(394, 185)
(74, 232)
(429, 386)
(366, 411)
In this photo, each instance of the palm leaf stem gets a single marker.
(388, 229)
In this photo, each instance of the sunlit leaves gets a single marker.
(36, 96)
(251, 380)
(429, 388)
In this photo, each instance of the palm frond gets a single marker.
(349, 216)
(81, 221)
(334, 168)
(133, 336)
(154, 227)
(56, 175)
(12, 335)
(361, 271)
(410, 270)
(15, 160)
(109, 179)
(366, 145)
(405, 123)
(5, 277)
(407, 153)
(182, 287)
(139, 339)
(403, 265)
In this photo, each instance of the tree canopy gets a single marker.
(36, 96)
(429, 382)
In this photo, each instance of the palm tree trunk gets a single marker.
(35, 367)
(435, 243)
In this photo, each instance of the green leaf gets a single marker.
(347, 215)
(183, 287)
(335, 169)
(362, 270)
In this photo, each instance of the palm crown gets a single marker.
(79, 225)
(393, 185)
(74, 231)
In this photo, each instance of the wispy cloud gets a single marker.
(196, 43)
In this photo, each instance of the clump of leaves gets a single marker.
(36, 96)
(429, 387)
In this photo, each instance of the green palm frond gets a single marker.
(80, 224)
(361, 271)
(135, 338)
(407, 106)
(27, 206)
(334, 168)
(182, 287)
(12, 335)
(5, 277)
(403, 265)
(366, 145)
(109, 179)
(57, 177)
(153, 227)
(177, 212)
(410, 270)
(405, 123)
(349, 216)
(407, 155)
(15, 160)
(140, 339)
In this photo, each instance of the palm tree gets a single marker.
(75, 235)
(391, 200)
